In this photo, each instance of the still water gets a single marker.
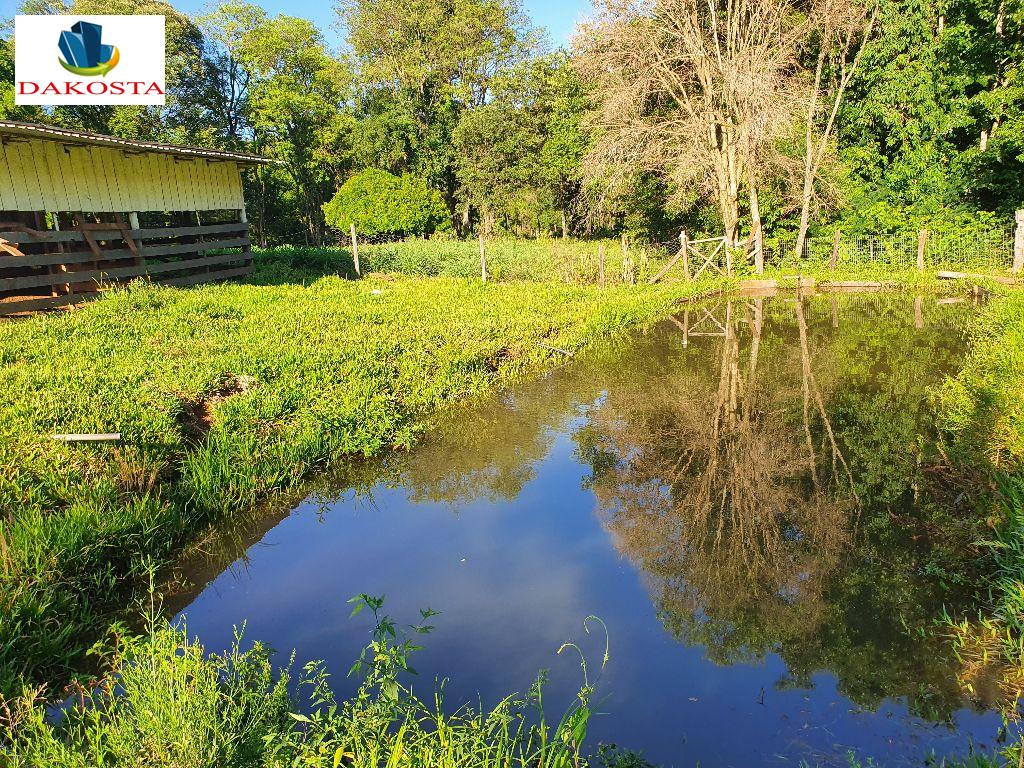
(746, 494)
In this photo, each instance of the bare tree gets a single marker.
(842, 29)
(696, 90)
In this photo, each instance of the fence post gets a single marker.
(355, 250)
(483, 260)
(1018, 243)
(834, 260)
(600, 264)
(922, 239)
(684, 246)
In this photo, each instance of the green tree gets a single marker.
(520, 155)
(379, 203)
(982, 55)
(299, 112)
(228, 74)
(436, 59)
(566, 140)
(499, 148)
(8, 109)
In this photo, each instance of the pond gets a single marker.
(748, 495)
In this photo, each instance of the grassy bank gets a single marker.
(568, 262)
(224, 395)
(983, 409)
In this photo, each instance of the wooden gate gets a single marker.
(706, 253)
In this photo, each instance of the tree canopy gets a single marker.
(755, 118)
(379, 203)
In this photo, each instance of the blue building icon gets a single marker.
(82, 47)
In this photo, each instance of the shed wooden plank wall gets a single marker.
(51, 176)
(59, 268)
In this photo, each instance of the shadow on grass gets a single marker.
(291, 265)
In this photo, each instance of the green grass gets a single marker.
(982, 410)
(178, 707)
(225, 395)
(984, 405)
(573, 262)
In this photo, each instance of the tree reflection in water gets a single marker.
(727, 482)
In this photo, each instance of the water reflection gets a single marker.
(737, 486)
(743, 494)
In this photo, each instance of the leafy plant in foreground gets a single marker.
(168, 703)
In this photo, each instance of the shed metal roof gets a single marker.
(84, 138)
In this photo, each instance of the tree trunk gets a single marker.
(756, 230)
(565, 226)
(727, 179)
(810, 150)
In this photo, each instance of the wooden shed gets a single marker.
(82, 211)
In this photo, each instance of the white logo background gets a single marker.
(140, 40)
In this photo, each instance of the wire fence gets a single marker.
(986, 250)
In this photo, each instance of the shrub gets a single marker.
(380, 203)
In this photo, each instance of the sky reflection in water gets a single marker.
(779, 626)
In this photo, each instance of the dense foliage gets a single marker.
(379, 203)
(468, 97)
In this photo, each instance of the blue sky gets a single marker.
(558, 16)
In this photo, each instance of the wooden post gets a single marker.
(600, 265)
(686, 327)
(1018, 243)
(243, 218)
(684, 248)
(627, 266)
(834, 260)
(483, 260)
(355, 250)
(919, 312)
(922, 239)
(60, 268)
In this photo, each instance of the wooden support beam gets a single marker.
(111, 437)
(483, 260)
